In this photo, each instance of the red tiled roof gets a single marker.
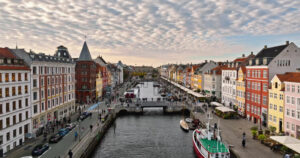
(13, 67)
(219, 69)
(5, 53)
(289, 76)
(240, 59)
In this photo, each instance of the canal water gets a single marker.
(153, 134)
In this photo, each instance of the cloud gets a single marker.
(145, 31)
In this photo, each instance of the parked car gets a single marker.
(70, 126)
(55, 138)
(63, 131)
(84, 115)
(39, 149)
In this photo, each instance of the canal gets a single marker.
(153, 134)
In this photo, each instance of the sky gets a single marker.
(150, 32)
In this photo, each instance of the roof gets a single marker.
(85, 54)
(214, 146)
(63, 52)
(289, 77)
(10, 61)
(224, 109)
(288, 141)
(218, 69)
(240, 59)
(270, 52)
(5, 53)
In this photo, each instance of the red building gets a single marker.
(86, 73)
(267, 63)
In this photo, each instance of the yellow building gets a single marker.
(276, 103)
(99, 84)
(240, 91)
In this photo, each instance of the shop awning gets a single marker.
(216, 104)
(288, 141)
(224, 109)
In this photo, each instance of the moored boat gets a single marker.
(207, 143)
(184, 125)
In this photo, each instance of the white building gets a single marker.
(52, 86)
(15, 106)
(229, 76)
(206, 68)
(213, 81)
(120, 66)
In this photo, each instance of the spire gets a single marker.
(85, 54)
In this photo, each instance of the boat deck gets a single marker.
(214, 146)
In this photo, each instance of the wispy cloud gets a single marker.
(146, 31)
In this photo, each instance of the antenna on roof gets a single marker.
(85, 37)
(16, 44)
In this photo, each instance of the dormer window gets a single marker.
(58, 54)
(257, 62)
(265, 61)
(1, 61)
(64, 53)
(8, 61)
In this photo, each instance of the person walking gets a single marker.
(76, 135)
(70, 153)
(244, 139)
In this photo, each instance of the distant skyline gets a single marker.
(150, 32)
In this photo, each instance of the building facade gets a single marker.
(267, 63)
(86, 72)
(240, 91)
(52, 86)
(292, 105)
(276, 103)
(15, 105)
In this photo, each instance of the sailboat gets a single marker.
(208, 144)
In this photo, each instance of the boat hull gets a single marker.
(184, 126)
(197, 152)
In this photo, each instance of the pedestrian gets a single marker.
(91, 127)
(70, 153)
(75, 134)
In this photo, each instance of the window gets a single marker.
(8, 137)
(274, 119)
(6, 92)
(7, 107)
(280, 108)
(0, 92)
(0, 77)
(14, 105)
(27, 115)
(271, 106)
(26, 79)
(297, 88)
(287, 99)
(14, 119)
(42, 82)
(293, 113)
(298, 114)
(275, 95)
(265, 100)
(248, 73)
(34, 83)
(26, 89)
(270, 117)
(265, 74)
(259, 75)
(13, 91)
(20, 117)
(248, 84)
(7, 122)
(265, 87)
(293, 100)
(35, 109)
(26, 102)
(258, 86)
(258, 98)
(19, 90)
(275, 107)
(19, 77)
(13, 77)
(20, 130)
(6, 77)
(34, 95)
(293, 127)
(1, 127)
(34, 70)
(287, 87)
(1, 111)
(287, 125)
(288, 112)
(293, 88)
(271, 95)
(281, 96)
(43, 106)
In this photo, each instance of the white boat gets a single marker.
(188, 120)
(184, 125)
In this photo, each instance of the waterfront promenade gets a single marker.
(232, 131)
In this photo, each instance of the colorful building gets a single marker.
(99, 83)
(276, 102)
(240, 91)
(267, 63)
(86, 72)
(292, 105)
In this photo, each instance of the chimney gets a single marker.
(287, 42)
(298, 70)
(266, 46)
(243, 55)
(251, 53)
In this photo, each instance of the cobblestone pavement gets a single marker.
(232, 130)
